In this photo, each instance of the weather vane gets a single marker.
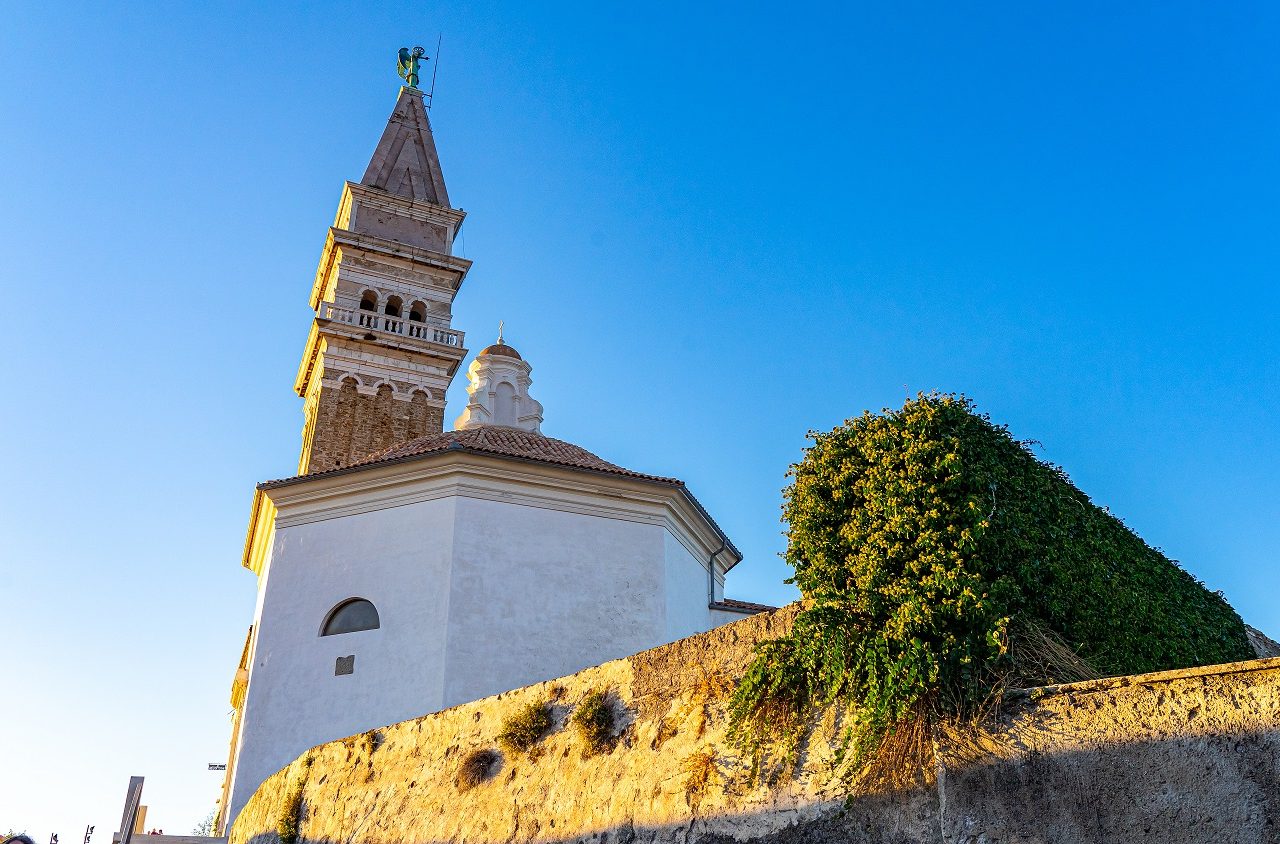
(408, 64)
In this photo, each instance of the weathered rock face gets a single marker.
(1263, 645)
(1178, 756)
(1175, 757)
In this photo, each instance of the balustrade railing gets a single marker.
(392, 324)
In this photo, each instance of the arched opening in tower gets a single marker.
(504, 404)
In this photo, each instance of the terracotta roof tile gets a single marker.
(500, 442)
(741, 606)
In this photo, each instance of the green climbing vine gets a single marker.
(925, 542)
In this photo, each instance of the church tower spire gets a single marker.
(405, 162)
(382, 351)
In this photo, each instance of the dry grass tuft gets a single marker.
(713, 686)
(522, 731)
(1040, 657)
(667, 730)
(477, 766)
(903, 758)
(706, 694)
(700, 770)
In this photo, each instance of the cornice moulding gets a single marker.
(427, 212)
(384, 248)
(261, 534)
(531, 484)
(342, 342)
(387, 250)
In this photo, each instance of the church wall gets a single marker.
(232, 782)
(397, 558)
(720, 617)
(537, 593)
(686, 591)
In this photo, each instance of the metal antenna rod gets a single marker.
(434, 70)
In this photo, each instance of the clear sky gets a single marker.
(710, 228)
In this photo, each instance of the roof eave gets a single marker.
(456, 448)
(728, 543)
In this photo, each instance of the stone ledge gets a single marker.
(1104, 684)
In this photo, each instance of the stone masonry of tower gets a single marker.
(381, 352)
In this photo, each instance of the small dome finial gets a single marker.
(500, 343)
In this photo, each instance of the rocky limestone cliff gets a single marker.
(1263, 645)
(1184, 756)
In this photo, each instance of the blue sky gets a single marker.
(710, 228)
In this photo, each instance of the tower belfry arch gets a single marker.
(375, 371)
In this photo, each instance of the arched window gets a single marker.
(393, 306)
(417, 312)
(369, 301)
(351, 615)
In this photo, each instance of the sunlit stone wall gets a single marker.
(1187, 756)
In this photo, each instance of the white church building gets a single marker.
(406, 568)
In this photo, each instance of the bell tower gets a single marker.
(381, 351)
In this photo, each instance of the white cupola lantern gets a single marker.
(498, 392)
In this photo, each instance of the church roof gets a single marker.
(510, 442)
(515, 444)
(734, 605)
(497, 441)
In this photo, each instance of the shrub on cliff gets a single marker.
(525, 728)
(290, 821)
(477, 766)
(595, 721)
(931, 548)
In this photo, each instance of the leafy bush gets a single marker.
(523, 730)
(290, 820)
(595, 721)
(478, 766)
(921, 539)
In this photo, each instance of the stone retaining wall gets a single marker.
(1185, 756)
